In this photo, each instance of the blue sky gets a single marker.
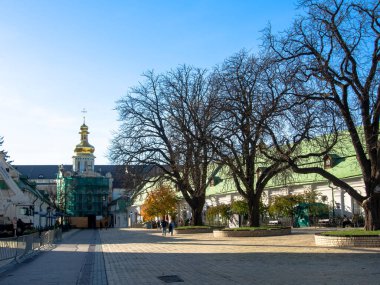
(58, 57)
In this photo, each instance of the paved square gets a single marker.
(139, 256)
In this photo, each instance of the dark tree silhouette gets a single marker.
(257, 100)
(166, 124)
(335, 46)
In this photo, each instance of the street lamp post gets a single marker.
(332, 201)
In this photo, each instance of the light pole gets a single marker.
(333, 201)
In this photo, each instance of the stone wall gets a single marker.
(357, 241)
(255, 233)
(192, 231)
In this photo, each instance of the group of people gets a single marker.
(166, 225)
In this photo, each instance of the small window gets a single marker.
(327, 162)
(331, 160)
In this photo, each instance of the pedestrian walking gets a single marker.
(164, 224)
(171, 227)
(20, 227)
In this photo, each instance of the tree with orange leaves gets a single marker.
(160, 202)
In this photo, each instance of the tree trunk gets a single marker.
(196, 219)
(254, 211)
(372, 212)
(197, 210)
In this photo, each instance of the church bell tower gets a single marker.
(83, 159)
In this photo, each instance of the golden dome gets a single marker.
(84, 147)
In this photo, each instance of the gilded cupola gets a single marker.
(84, 147)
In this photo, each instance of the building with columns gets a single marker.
(222, 190)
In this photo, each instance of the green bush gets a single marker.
(218, 215)
(351, 233)
(239, 207)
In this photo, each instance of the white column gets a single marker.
(342, 203)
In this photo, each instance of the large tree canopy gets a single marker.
(257, 96)
(166, 123)
(335, 47)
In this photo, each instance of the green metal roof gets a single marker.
(345, 166)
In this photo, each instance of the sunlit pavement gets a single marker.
(139, 256)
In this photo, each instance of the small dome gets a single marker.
(83, 127)
(84, 147)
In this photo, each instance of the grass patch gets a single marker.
(255, 228)
(192, 227)
(351, 233)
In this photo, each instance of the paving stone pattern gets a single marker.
(139, 256)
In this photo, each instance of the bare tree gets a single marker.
(255, 93)
(335, 46)
(133, 177)
(166, 123)
(2, 150)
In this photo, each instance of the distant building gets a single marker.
(118, 212)
(222, 190)
(45, 176)
(21, 200)
(84, 194)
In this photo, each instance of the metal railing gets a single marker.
(17, 248)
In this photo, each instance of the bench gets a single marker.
(324, 222)
(274, 222)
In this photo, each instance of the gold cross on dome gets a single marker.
(84, 111)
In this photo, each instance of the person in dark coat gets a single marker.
(171, 227)
(164, 224)
(20, 227)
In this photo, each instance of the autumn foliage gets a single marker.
(160, 202)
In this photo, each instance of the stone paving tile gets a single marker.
(99, 276)
(57, 265)
(136, 256)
